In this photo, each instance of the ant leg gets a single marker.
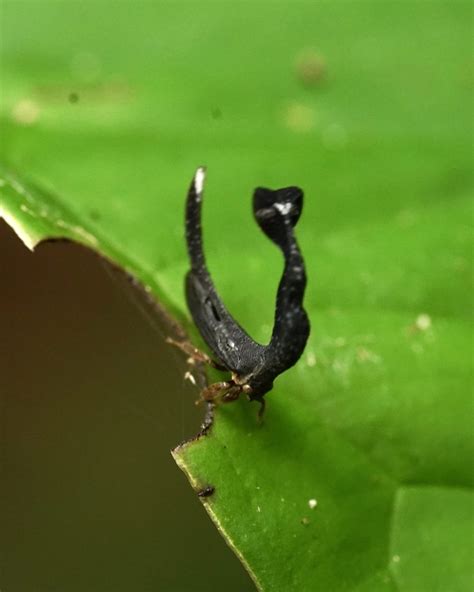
(195, 355)
(261, 411)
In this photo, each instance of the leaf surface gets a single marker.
(359, 479)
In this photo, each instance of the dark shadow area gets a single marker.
(91, 402)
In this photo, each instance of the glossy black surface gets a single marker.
(253, 365)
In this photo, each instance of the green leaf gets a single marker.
(427, 520)
(359, 478)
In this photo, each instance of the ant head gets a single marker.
(273, 209)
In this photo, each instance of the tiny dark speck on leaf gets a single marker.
(73, 97)
(216, 113)
(311, 68)
(94, 214)
(207, 491)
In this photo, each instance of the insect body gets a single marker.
(253, 366)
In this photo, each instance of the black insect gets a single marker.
(206, 491)
(253, 366)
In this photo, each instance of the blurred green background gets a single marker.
(366, 105)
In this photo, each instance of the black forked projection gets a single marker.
(253, 366)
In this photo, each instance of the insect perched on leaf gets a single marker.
(253, 366)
